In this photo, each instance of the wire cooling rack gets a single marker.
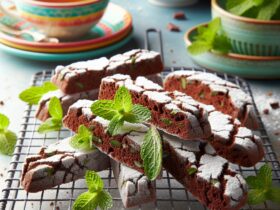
(170, 194)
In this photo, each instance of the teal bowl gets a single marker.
(254, 67)
(249, 36)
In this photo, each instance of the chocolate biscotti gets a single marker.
(42, 112)
(134, 187)
(59, 163)
(211, 89)
(189, 116)
(209, 177)
(180, 115)
(86, 75)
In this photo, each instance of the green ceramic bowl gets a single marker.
(256, 67)
(249, 36)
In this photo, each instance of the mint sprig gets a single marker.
(83, 139)
(210, 38)
(258, 9)
(33, 94)
(261, 188)
(96, 196)
(151, 153)
(55, 122)
(7, 138)
(119, 110)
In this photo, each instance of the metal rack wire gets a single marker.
(170, 194)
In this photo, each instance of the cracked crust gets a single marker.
(86, 75)
(134, 187)
(188, 115)
(211, 89)
(211, 179)
(171, 109)
(59, 163)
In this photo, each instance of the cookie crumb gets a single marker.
(179, 15)
(274, 104)
(269, 93)
(173, 27)
(266, 111)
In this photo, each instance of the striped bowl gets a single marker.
(64, 20)
(249, 36)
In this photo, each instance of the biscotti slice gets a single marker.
(59, 163)
(123, 148)
(189, 116)
(211, 89)
(87, 75)
(134, 187)
(66, 101)
(209, 177)
(171, 109)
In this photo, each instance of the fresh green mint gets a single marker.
(96, 196)
(151, 153)
(210, 38)
(258, 9)
(83, 139)
(33, 94)
(119, 110)
(7, 138)
(261, 188)
(55, 122)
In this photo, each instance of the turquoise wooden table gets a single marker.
(15, 73)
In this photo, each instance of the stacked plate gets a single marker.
(113, 31)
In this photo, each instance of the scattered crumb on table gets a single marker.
(269, 93)
(179, 15)
(2, 103)
(173, 27)
(266, 111)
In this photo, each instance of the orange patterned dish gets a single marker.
(115, 25)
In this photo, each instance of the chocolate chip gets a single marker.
(1, 103)
(274, 104)
(173, 27)
(266, 111)
(179, 15)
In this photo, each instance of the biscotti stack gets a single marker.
(204, 126)
(81, 80)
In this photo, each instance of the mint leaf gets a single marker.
(4, 122)
(138, 114)
(273, 194)
(242, 7)
(83, 139)
(96, 196)
(8, 141)
(256, 196)
(55, 108)
(151, 153)
(265, 175)
(254, 182)
(267, 11)
(199, 47)
(50, 124)
(221, 43)
(33, 94)
(123, 100)
(104, 109)
(86, 201)
(94, 182)
(115, 124)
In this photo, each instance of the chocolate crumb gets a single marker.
(274, 104)
(57, 208)
(51, 204)
(277, 133)
(173, 27)
(1, 103)
(266, 111)
(1, 175)
(269, 93)
(179, 15)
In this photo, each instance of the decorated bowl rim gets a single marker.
(231, 55)
(62, 4)
(217, 7)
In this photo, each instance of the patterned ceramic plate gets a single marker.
(115, 25)
(256, 67)
(65, 56)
